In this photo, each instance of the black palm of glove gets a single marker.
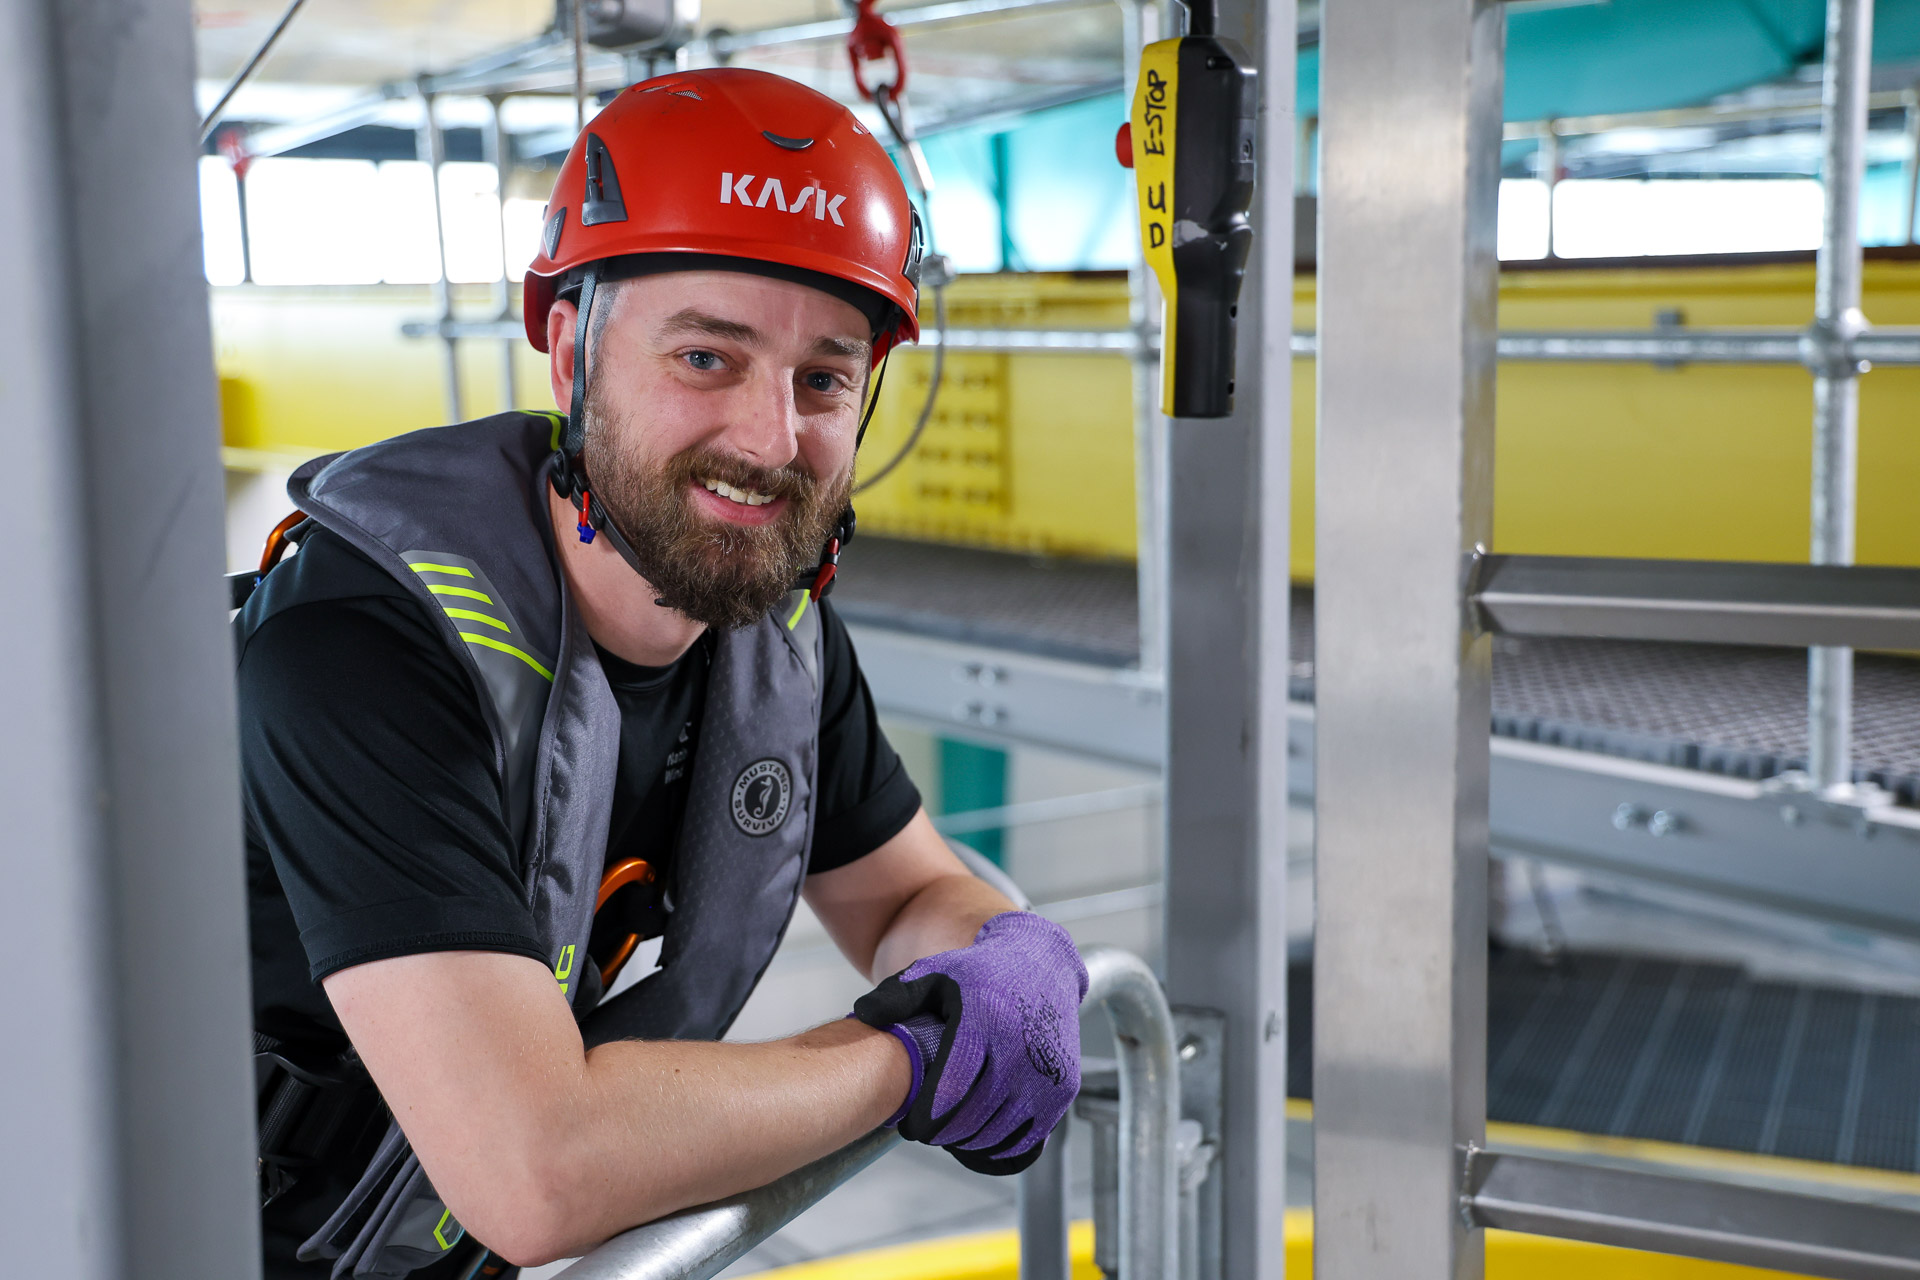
(1007, 1063)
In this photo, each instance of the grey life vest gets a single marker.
(459, 515)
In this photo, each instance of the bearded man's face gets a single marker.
(721, 414)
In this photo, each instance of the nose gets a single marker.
(766, 428)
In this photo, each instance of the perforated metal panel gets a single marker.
(1724, 709)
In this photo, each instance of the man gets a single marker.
(532, 690)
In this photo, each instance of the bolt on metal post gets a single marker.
(1827, 349)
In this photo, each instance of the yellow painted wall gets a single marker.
(305, 370)
(1036, 452)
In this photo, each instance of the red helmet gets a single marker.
(738, 164)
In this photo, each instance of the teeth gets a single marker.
(745, 497)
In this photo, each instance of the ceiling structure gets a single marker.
(1565, 57)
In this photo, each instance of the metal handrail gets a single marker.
(698, 1243)
(1149, 1111)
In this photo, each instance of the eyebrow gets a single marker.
(842, 347)
(694, 320)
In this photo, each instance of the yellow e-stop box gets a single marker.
(1190, 138)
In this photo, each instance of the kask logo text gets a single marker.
(740, 190)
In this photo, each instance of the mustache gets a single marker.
(703, 464)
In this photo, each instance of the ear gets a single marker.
(560, 319)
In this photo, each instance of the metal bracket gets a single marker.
(1201, 1037)
(1694, 1216)
(1827, 347)
(1474, 570)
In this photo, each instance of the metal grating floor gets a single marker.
(1724, 709)
(1081, 610)
(1693, 1053)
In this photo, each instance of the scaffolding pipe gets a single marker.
(696, 1244)
(1837, 320)
(499, 149)
(1677, 346)
(579, 24)
(1550, 164)
(1910, 163)
(430, 145)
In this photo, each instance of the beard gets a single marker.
(722, 575)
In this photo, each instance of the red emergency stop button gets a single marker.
(1123, 145)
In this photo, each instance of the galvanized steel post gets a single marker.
(126, 1130)
(1836, 387)
(1140, 25)
(1226, 756)
(1410, 119)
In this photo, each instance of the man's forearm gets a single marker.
(942, 916)
(668, 1124)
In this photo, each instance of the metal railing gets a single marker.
(698, 1243)
(1403, 1181)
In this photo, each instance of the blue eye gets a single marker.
(704, 361)
(821, 381)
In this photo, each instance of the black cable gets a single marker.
(896, 125)
(926, 409)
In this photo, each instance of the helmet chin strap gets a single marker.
(569, 473)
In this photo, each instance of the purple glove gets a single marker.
(1006, 1065)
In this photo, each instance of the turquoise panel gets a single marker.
(973, 777)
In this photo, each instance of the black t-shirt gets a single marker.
(374, 810)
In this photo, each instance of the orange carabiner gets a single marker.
(277, 543)
(618, 877)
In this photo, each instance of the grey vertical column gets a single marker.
(1410, 128)
(1141, 23)
(126, 1126)
(1836, 374)
(1227, 694)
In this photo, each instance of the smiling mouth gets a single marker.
(743, 497)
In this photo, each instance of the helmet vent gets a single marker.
(550, 235)
(603, 202)
(687, 93)
(791, 144)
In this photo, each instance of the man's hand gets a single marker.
(1001, 1064)
(542, 1149)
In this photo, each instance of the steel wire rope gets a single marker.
(247, 69)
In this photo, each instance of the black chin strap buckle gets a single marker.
(570, 482)
(820, 583)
